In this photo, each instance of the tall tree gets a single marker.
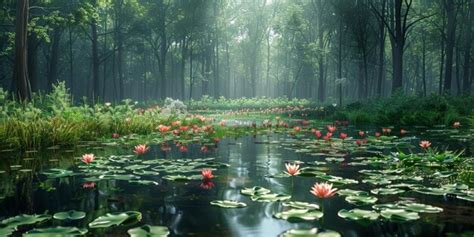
(23, 88)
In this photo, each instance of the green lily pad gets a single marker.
(296, 215)
(386, 191)
(301, 205)
(399, 215)
(419, 207)
(257, 190)
(361, 200)
(149, 231)
(358, 214)
(55, 231)
(24, 220)
(350, 192)
(228, 204)
(69, 215)
(309, 233)
(58, 173)
(270, 197)
(115, 219)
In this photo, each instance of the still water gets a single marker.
(185, 208)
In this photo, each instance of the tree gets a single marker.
(23, 88)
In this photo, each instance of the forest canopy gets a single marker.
(337, 51)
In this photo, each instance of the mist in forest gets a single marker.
(335, 51)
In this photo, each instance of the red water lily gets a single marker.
(359, 142)
(377, 134)
(184, 128)
(207, 174)
(163, 128)
(115, 135)
(183, 148)
(204, 149)
(361, 133)
(323, 190)
(318, 134)
(141, 149)
(297, 129)
(403, 131)
(176, 123)
(88, 185)
(343, 135)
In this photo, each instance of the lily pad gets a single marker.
(24, 220)
(228, 204)
(149, 231)
(386, 191)
(309, 233)
(116, 219)
(270, 197)
(55, 231)
(257, 190)
(58, 173)
(69, 215)
(296, 215)
(358, 214)
(399, 215)
(301, 205)
(361, 200)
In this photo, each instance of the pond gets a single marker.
(165, 187)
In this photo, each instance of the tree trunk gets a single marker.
(467, 49)
(23, 89)
(450, 38)
(54, 58)
(95, 60)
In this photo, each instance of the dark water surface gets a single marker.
(185, 208)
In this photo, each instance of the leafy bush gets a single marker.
(406, 110)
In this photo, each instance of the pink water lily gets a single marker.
(331, 129)
(343, 135)
(141, 149)
(361, 133)
(425, 144)
(88, 158)
(323, 190)
(207, 174)
(292, 169)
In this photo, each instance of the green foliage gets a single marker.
(406, 110)
(245, 103)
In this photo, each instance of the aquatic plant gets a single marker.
(323, 190)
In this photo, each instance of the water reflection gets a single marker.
(184, 207)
